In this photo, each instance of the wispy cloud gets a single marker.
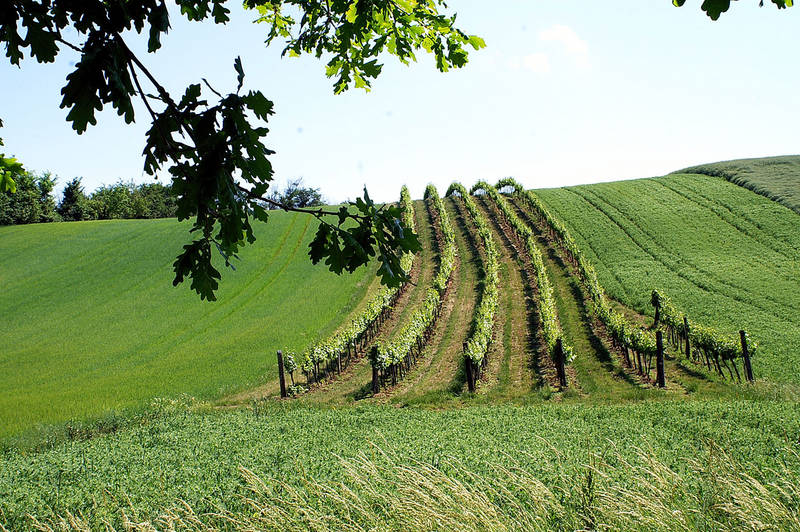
(571, 41)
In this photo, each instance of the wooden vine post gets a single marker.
(748, 369)
(559, 360)
(376, 377)
(470, 378)
(660, 381)
(686, 334)
(281, 375)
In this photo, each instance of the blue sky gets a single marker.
(564, 93)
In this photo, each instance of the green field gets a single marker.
(777, 178)
(596, 462)
(728, 257)
(91, 322)
(95, 333)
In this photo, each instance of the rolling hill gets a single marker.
(92, 324)
(93, 328)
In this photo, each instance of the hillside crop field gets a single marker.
(506, 386)
(773, 177)
(728, 257)
(526, 468)
(91, 322)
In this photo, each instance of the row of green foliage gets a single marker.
(727, 346)
(726, 256)
(33, 201)
(329, 349)
(412, 334)
(623, 332)
(548, 313)
(478, 343)
(447, 256)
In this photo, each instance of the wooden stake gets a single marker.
(686, 334)
(660, 360)
(559, 360)
(748, 369)
(281, 375)
(470, 379)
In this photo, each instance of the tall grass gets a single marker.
(382, 490)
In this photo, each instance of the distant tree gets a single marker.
(113, 202)
(154, 200)
(296, 195)
(25, 205)
(74, 203)
(45, 183)
(10, 168)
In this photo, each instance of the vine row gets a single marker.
(558, 349)
(391, 359)
(638, 347)
(477, 346)
(703, 344)
(335, 352)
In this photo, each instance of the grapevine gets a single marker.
(477, 345)
(397, 355)
(324, 356)
(624, 335)
(548, 315)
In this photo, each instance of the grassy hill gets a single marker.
(94, 326)
(91, 322)
(728, 257)
(777, 178)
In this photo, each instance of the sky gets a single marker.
(564, 93)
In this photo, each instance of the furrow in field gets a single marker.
(542, 369)
(489, 375)
(783, 241)
(701, 239)
(521, 343)
(230, 305)
(598, 372)
(700, 277)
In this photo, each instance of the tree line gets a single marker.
(34, 201)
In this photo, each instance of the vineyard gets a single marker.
(638, 303)
(527, 260)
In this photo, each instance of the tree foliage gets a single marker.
(31, 201)
(9, 169)
(295, 195)
(714, 8)
(212, 144)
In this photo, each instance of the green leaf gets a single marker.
(714, 8)
(352, 12)
(237, 65)
(159, 23)
(259, 104)
(477, 43)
